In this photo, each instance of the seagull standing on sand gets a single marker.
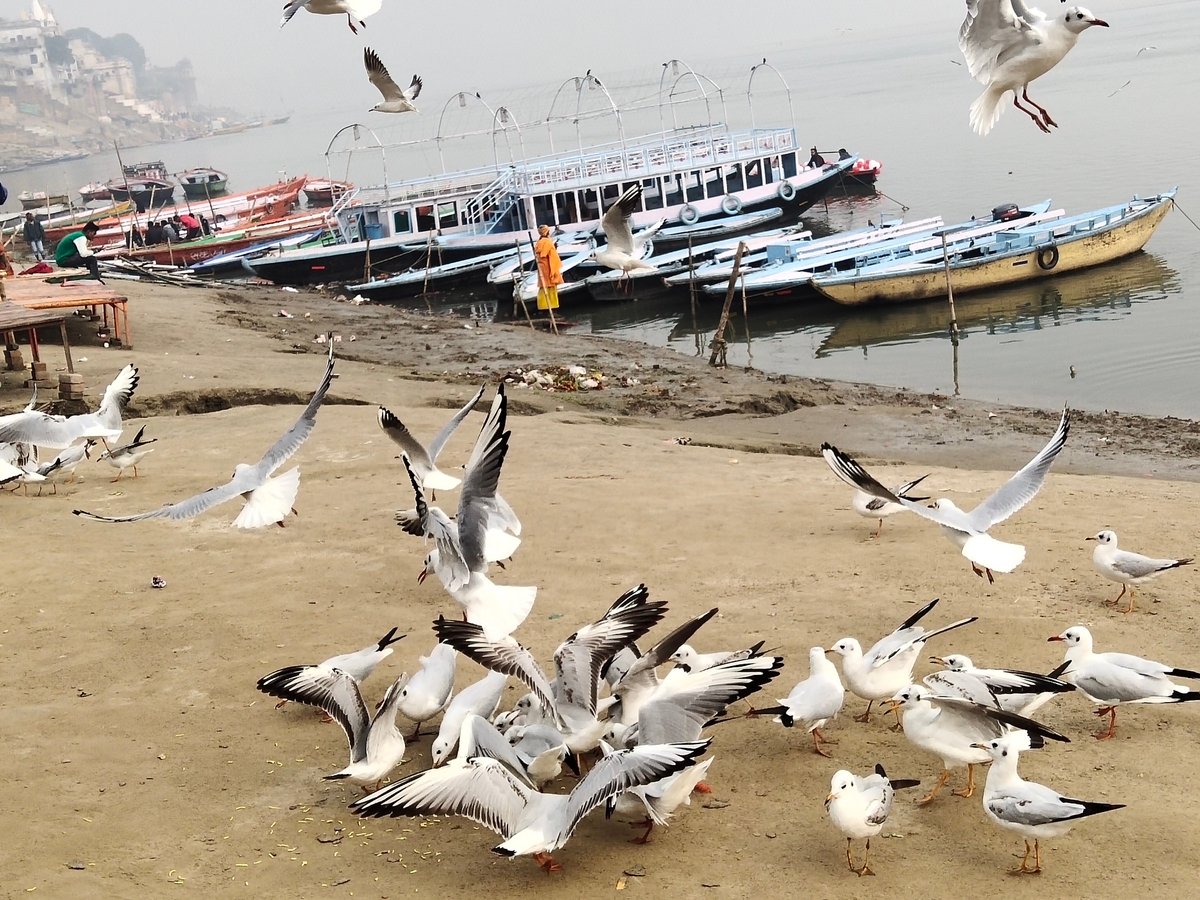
(887, 667)
(859, 807)
(395, 98)
(430, 689)
(424, 462)
(1109, 679)
(624, 249)
(534, 824)
(60, 432)
(128, 455)
(1007, 45)
(63, 466)
(1127, 568)
(969, 530)
(1026, 807)
(1011, 689)
(814, 701)
(354, 10)
(268, 499)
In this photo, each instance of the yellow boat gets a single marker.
(1008, 257)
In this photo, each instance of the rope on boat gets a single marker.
(1175, 203)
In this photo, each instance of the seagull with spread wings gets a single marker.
(268, 499)
(1007, 45)
(624, 250)
(354, 10)
(422, 460)
(969, 530)
(395, 98)
(60, 432)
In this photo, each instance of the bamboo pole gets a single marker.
(517, 289)
(717, 358)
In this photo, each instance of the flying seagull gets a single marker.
(60, 432)
(624, 250)
(424, 461)
(969, 530)
(268, 500)
(354, 10)
(358, 664)
(395, 99)
(1007, 45)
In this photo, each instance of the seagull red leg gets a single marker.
(1036, 119)
(1045, 115)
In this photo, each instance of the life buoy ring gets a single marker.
(786, 192)
(689, 215)
(1047, 257)
(731, 205)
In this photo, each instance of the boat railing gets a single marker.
(483, 211)
(334, 221)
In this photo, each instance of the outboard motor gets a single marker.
(1006, 211)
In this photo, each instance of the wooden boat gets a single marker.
(146, 184)
(203, 182)
(32, 200)
(422, 280)
(95, 191)
(325, 192)
(1042, 250)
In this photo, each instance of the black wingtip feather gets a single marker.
(900, 784)
(920, 613)
(390, 638)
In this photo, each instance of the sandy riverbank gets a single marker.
(139, 760)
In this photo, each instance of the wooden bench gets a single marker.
(33, 292)
(14, 317)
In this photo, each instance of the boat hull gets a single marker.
(905, 285)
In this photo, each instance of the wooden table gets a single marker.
(35, 293)
(17, 318)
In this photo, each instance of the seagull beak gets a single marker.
(423, 575)
(937, 660)
(892, 704)
(1057, 637)
(1099, 22)
(931, 506)
(829, 799)
(980, 746)
(830, 650)
(1090, 538)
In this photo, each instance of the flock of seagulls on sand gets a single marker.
(630, 717)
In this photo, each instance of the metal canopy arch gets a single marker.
(357, 128)
(787, 89)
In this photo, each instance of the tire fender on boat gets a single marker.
(786, 192)
(731, 205)
(1047, 257)
(689, 215)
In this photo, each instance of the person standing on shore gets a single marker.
(35, 236)
(73, 251)
(549, 269)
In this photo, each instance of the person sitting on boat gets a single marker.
(133, 238)
(192, 224)
(549, 269)
(35, 235)
(843, 154)
(205, 227)
(169, 234)
(73, 251)
(154, 234)
(816, 161)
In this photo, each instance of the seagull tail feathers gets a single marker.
(986, 110)
(502, 611)
(986, 551)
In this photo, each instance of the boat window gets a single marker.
(447, 214)
(401, 222)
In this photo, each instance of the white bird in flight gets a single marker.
(1109, 679)
(422, 460)
(60, 432)
(969, 530)
(395, 98)
(1026, 807)
(1007, 45)
(1127, 568)
(268, 499)
(859, 807)
(358, 664)
(354, 10)
(624, 249)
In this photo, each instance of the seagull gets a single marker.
(624, 250)
(395, 98)
(430, 689)
(424, 462)
(376, 746)
(128, 455)
(968, 530)
(541, 749)
(859, 807)
(952, 727)
(689, 660)
(1030, 809)
(25, 476)
(354, 10)
(60, 432)
(875, 508)
(812, 702)
(1110, 679)
(486, 791)
(1007, 45)
(1126, 567)
(1012, 689)
(268, 500)
(461, 548)
(358, 665)
(480, 699)
(887, 667)
(63, 466)
(633, 681)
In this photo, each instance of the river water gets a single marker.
(1124, 337)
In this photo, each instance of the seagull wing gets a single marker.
(117, 395)
(439, 440)
(615, 224)
(329, 689)
(46, 430)
(505, 656)
(283, 448)
(640, 675)
(993, 32)
(403, 438)
(1024, 485)
(480, 789)
(703, 696)
(184, 509)
(290, 9)
(378, 73)
(479, 737)
(988, 722)
(413, 91)
(476, 499)
(1137, 566)
(435, 524)
(1028, 803)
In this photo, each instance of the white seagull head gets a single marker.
(1075, 636)
(1007, 745)
(841, 781)
(1080, 19)
(846, 647)
(1104, 537)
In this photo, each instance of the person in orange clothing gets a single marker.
(549, 269)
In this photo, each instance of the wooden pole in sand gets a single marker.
(717, 358)
(128, 190)
(692, 296)
(542, 284)
(953, 314)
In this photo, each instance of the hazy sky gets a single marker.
(243, 59)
